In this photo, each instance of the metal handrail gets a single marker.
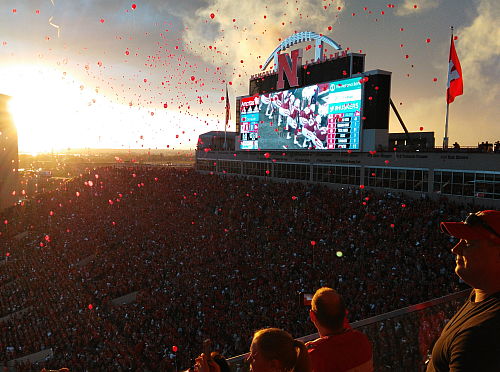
(377, 318)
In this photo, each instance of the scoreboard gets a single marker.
(324, 116)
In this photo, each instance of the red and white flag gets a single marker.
(455, 86)
(228, 108)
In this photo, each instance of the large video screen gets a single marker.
(325, 116)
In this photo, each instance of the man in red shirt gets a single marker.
(339, 348)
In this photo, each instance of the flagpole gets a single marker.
(226, 120)
(445, 139)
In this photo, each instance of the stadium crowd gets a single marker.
(209, 256)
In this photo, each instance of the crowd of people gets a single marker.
(208, 256)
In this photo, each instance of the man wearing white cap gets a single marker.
(470, 341)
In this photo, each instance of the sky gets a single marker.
(152, 74)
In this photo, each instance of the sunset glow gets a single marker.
(53, 111)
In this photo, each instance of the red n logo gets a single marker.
(289, 68)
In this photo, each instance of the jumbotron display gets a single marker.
(324, 116)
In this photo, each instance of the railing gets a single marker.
(462, 149)
(402, 339)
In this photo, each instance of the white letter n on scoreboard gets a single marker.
(289, 68)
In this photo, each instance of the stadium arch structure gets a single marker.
(301, 37)
(349, 107)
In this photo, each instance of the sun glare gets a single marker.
(53, 111)
(48, 108)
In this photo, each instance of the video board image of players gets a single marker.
(322, 116)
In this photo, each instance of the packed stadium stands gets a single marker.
(208, 256)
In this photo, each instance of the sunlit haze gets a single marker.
(53, 111)
(104, 74)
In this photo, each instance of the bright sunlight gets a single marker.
(54, 111)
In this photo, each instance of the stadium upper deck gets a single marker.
(328, 122)
(470, 177)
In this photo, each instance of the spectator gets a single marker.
(339, 348)
(216, 363)
(471, 339)
(87, 245)
(273, 349)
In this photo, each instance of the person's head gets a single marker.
(273, 349)
(327, 311)
(478, 251)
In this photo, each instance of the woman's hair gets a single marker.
(276, 344)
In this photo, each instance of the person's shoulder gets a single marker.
(350, 335)
(313, 342)
(316, 344)
(359, 337)
(357, 333)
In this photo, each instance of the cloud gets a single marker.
(478, 47)
(242, 34)
(412, 7)
(471, 115)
